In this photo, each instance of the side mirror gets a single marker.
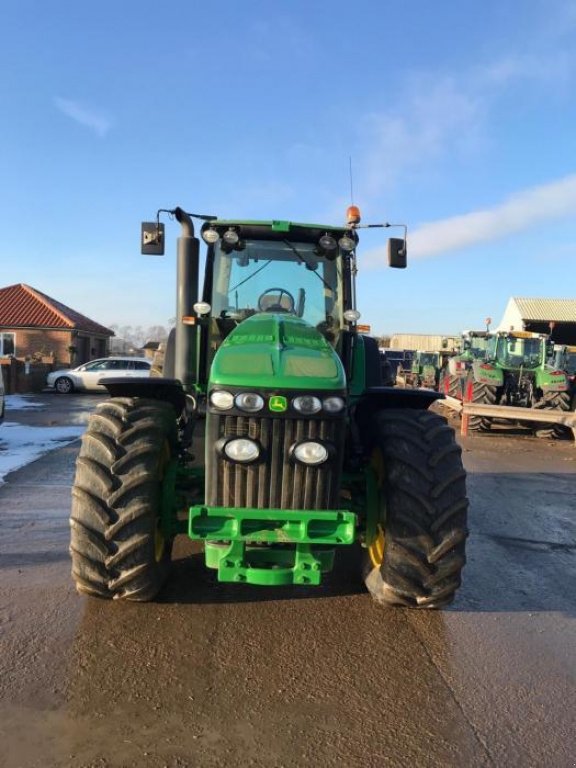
(397, 253)
(152, 238)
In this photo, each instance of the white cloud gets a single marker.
(436, 116)
(519, 212)
(84, 116)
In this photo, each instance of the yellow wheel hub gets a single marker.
(159, 540)
(159, 544)
(376, 549)
(376, 546)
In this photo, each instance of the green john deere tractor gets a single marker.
(515, 372)
(473, 347)
(269, 437)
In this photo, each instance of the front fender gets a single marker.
(552, 381)
(484, 373)
(152, 388)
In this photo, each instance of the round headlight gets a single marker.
(222, 400)
(306, 404)
(242, 450)
(333, 404)
(249, 401)
(327, 243)
(310, 453)
(347, 244)
(201, 307)
(230, 236)
(351, 315)
(210, 235)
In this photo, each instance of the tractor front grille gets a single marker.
(276, 482)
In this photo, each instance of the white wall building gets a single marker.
(526, 314)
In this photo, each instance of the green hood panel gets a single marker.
(277, 350)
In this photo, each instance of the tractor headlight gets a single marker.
(249, 401)
(327, 243)
(306, 404)
(230, 237)
(347, 244)
(333, 404)
(242, 450)
(222, 400)
(310, 453)
(210, 235)
(351, 315)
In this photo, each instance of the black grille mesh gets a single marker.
(276, 482)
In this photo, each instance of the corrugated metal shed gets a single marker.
(560, 310)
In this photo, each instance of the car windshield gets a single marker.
(278, 276)
(429, 358)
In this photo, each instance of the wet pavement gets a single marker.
(233, 675)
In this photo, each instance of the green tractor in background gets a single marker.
(516, 372)
(424, 370)
(269, 437)
(454, 374)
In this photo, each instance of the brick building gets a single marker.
(36, 327)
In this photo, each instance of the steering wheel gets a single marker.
(277, 306)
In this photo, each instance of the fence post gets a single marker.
(464, 422)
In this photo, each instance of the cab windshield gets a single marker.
(476, 347)
(278, 276)
(565, 360)
(515, 352)
(429, 358)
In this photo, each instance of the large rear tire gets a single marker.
(417, 555)
(557, 401)
(475, 392)
(117, 546)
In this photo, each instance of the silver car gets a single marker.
(89, 375)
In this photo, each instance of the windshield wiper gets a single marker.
(249, 277)
(303, 260)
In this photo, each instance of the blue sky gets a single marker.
(460, 119)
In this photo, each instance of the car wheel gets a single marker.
(64, 385)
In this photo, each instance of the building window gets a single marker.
(7, 344)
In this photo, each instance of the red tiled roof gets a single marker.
(24, 307)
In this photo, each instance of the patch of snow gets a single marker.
(21, 402)
(20, 444)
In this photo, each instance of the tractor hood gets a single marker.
(276, 350)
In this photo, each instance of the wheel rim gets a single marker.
(159, 538)
(376, 549)
(159, 544)
(376, 546)
(63, 385)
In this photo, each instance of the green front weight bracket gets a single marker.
(244, 544)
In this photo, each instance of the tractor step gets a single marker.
(272, 526)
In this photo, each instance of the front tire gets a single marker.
(64, 385)
(117, 546)
(416, 557)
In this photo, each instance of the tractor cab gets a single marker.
(518, 349)
(291, 270)
(564, 359)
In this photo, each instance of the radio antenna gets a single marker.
(351, 184)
